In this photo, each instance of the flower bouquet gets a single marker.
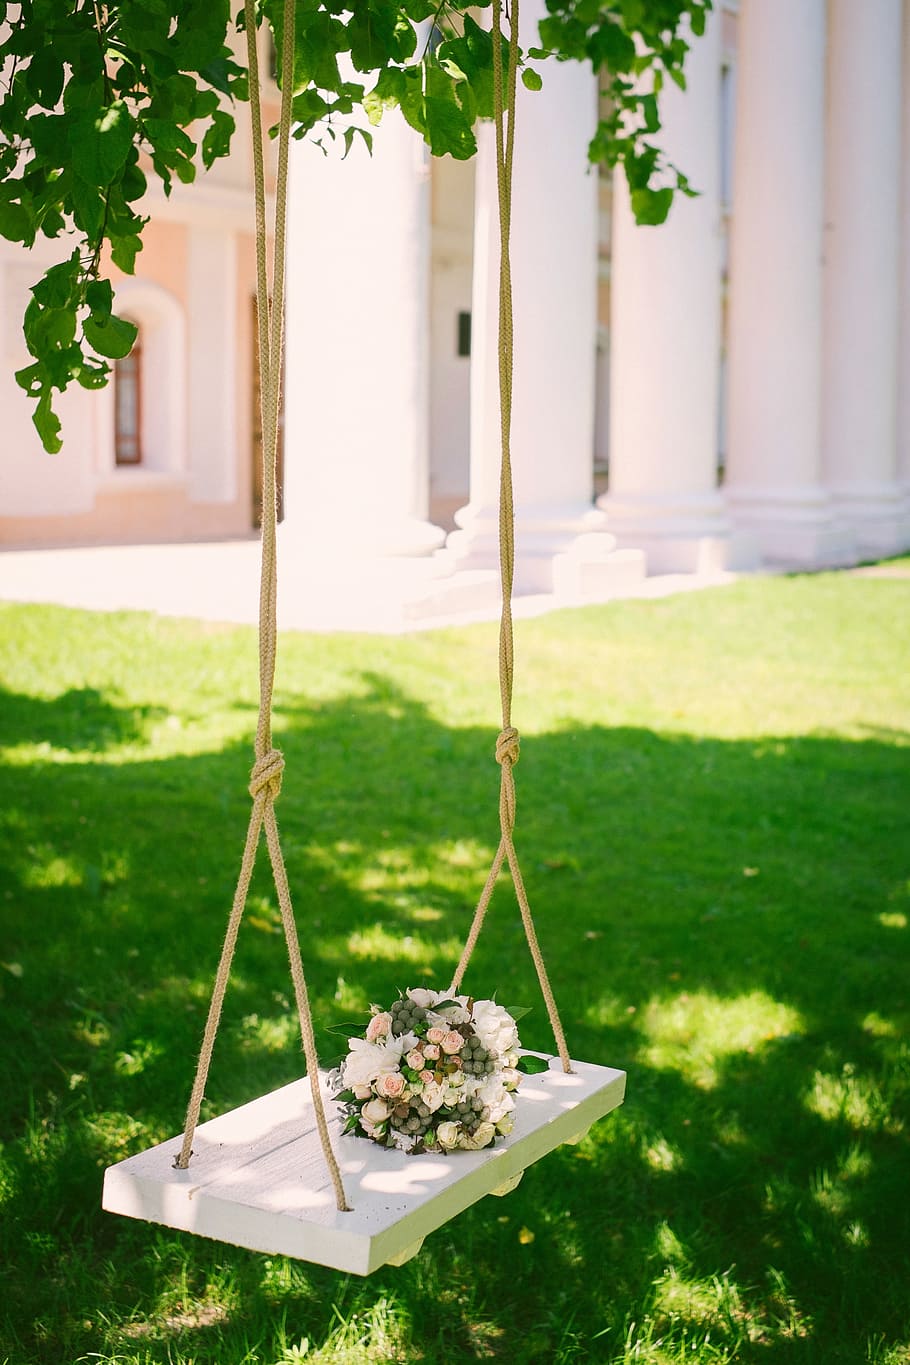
(433, 1074)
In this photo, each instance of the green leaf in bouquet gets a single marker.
(519, 1011)
(531, 1065)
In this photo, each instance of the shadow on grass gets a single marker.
(726, 920)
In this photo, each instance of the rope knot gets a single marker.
(266, 774)
(508, 746)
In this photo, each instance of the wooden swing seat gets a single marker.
(258, 1177)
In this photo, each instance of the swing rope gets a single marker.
(265, 779)
(507, 743)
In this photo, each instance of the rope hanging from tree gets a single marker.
(507, 744)
(265, 780)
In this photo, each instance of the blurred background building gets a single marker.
(729, 389)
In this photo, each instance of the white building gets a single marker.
(733, 385)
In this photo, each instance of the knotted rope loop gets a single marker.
(265, 779)
(508, 746)
(266, 775)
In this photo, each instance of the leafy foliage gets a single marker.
(96, 96)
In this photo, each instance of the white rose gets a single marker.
(424, 998)
(377, 1111)
(491, 1091)
(495, 1027)
(447, 1135)
(484, 1134)
(433, 1096)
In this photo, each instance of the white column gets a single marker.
(560, 543)
(356, 395)
(903, 388)
(212, 363)
(665, 305)
(773, 478)
(862, 263)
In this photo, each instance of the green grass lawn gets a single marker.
(713, 802)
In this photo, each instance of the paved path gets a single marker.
(219, 581)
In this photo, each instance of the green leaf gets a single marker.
(45, 77)
(16, 223)
(649, 111)
(56, 286)
(349, 136)
(93, 376)
(30, 378)
(110, 336)
(531, 79)
(101, 142)
(88, 207)
(99, 295)
(47, 423)
(200, 33)
(167, 138)
(447, 129)
(531, 1065)
(124, 251)
(216, 141)
(518, 1011)
(651, 207)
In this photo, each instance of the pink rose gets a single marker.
(415, 1060)
(452, 1043)
(431, 1051)
(390, 1085)
(378, 1026)
(435, 1035)
(427, 1077)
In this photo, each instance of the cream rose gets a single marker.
(377, 1111)
(414, 1060)
(423, 998)
(433, 1096)
(431, 1052)
(452, 1043)
(482, 1136)
(436, 1035)
(447, 1135)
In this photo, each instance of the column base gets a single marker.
(877, 517)
(684, 534)
(556, 550)
(407, 537)
(790, 530)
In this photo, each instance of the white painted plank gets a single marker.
(258, 1177)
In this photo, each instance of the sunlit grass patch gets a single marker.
(694, 1033)
(852, 1099)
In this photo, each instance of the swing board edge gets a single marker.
(228, 1192)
